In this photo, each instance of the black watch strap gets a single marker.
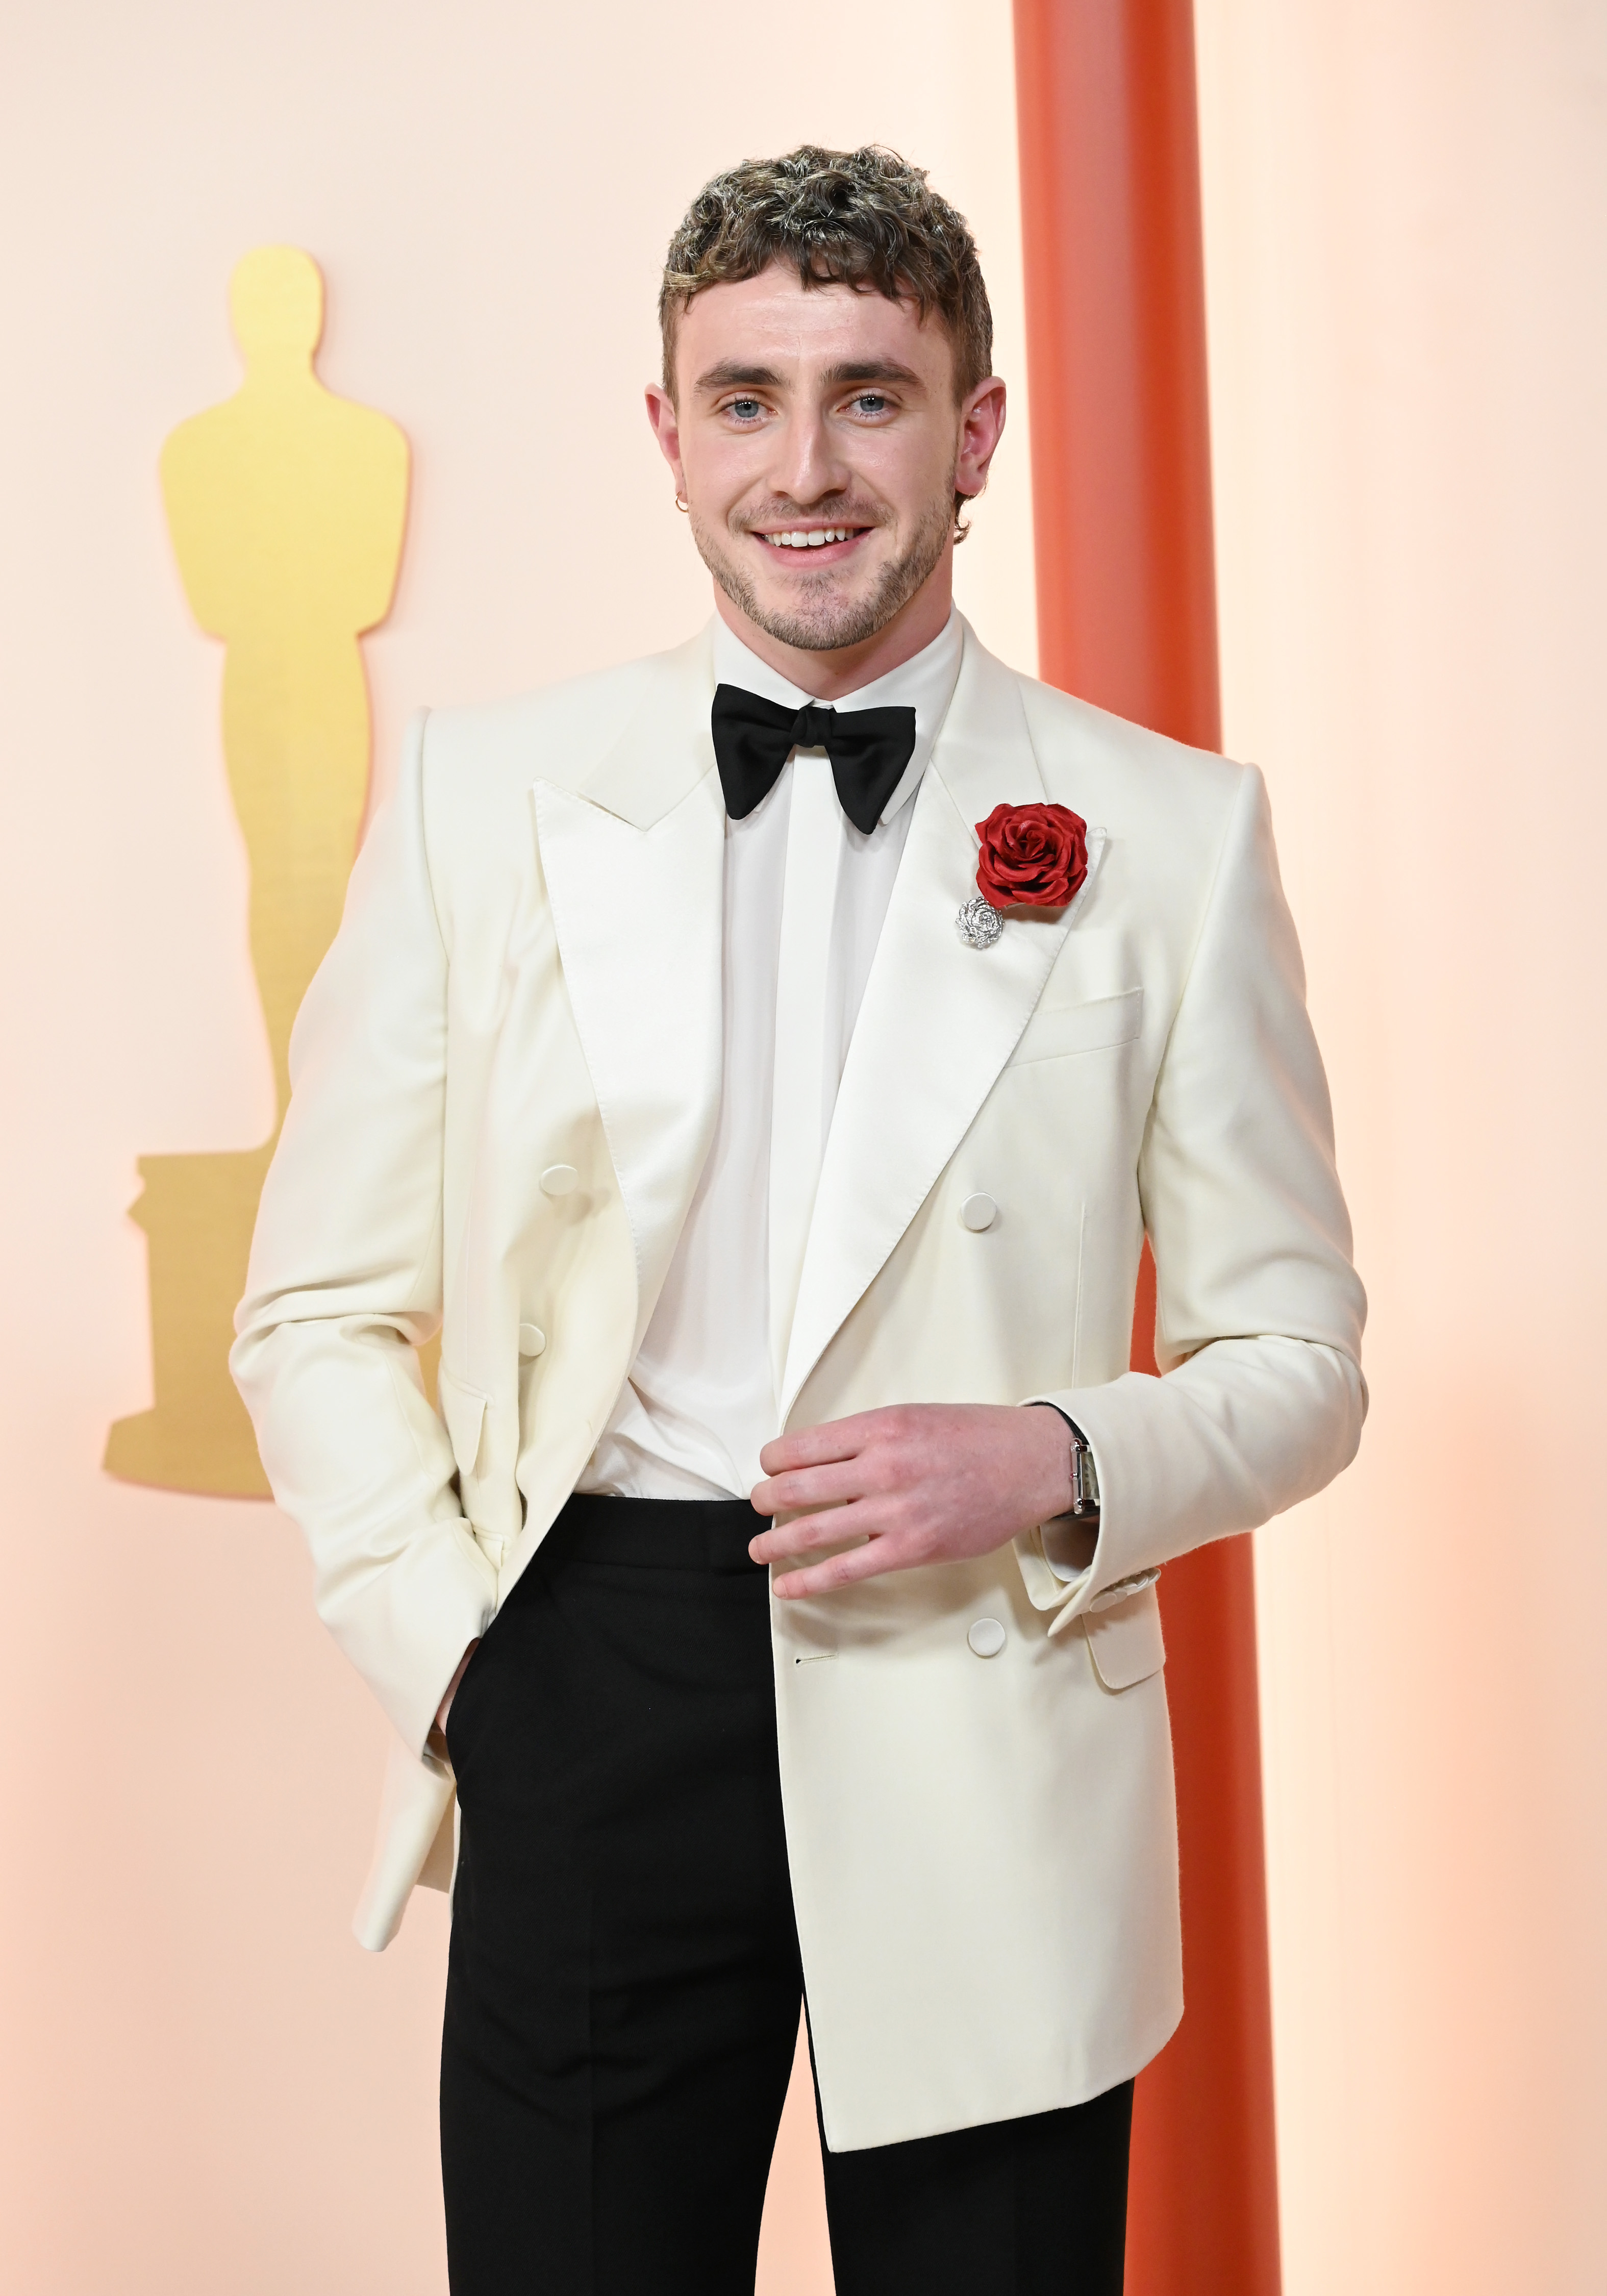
(1084, 1475)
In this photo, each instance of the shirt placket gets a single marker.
(809, 906)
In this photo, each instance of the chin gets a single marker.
(820, 625)
(823, 610)
(814, 602)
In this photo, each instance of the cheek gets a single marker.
(910, 469)
(722, 471)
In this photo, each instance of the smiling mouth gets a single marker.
(811, 537)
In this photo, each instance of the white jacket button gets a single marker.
(978, 1212)
(532, 1338)
(986, 1637)
(559, 1180)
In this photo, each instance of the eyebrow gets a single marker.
(871, 371)
(731, 375)
(730, 372)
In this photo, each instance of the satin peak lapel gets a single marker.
(635, 863)
(939, 1020)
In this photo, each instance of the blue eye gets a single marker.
(744, 409)
(871, 402)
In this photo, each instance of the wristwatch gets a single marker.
(1085, 1474)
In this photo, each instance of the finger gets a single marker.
(876, 1557)
(801, 1489)
(807, 1534)
(811, 1446)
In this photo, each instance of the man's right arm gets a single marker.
(345, 1284)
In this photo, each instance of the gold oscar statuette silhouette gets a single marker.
(286, 507)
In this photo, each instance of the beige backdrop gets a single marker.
(205, 2087)
(1406, 207)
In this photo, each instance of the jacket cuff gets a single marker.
(407, 1625)
(1051, 1584)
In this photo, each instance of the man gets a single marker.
(764, 1064)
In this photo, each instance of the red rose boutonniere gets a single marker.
(1033, 857)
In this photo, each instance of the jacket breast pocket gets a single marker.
(1087, 1028)
(1126, 1642)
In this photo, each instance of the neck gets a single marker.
(831, 671)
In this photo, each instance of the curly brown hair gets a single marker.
(865, 219)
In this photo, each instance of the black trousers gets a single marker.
(623, 1992)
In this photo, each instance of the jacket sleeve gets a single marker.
(1260, 1311)
(345, 1283)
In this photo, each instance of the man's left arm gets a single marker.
(1258, 1315)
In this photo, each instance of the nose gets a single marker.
(807, 465)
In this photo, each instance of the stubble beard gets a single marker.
(821, 620)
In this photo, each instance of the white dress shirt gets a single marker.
(805, 898)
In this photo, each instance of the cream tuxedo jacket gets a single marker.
(983, 1850)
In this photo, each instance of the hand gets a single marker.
(922, 1482)
(445, 1708)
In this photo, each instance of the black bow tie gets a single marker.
(753, 738)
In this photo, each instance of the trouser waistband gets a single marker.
(658, 1534)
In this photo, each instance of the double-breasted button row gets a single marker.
(986, 1637)
(557, 1180)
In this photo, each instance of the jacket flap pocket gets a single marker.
(1087, 1028)
(1126, 1642)
(464, 1413)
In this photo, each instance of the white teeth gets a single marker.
(812, 539)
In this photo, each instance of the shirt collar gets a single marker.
(925, 682)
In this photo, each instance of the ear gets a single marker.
(666, 430)
(981, 427)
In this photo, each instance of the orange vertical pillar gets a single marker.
(1127, 618)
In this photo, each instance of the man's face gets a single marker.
(815, 436)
